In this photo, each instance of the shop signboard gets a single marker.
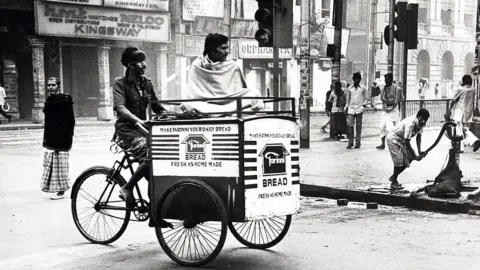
(204, 25)
(152, 5)
(248, 49)
(101, 23)
(193, 8)
(194, 46)
(79, 2)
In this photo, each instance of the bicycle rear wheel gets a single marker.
(199, 223)
(261, 233)
(93, 191)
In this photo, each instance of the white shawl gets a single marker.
(207, 79)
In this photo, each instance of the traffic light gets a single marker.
(412, 26)
(285, 21)
(265, 34)
(264, 17)
(400, 21)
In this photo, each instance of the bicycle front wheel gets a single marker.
(94, 199)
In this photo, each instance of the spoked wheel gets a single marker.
(199, 223)
(93, 192)
(262, 233)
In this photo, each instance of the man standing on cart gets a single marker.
(131, 95)
(215, 75)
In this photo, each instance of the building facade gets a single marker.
(446, 44)
(81, 44)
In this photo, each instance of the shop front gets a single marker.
(258, 67)
(16, 26)
(82, 44)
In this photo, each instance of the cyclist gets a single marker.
(131, 95)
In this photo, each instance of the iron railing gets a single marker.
(436, 107)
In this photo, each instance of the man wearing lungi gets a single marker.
(57, 139)
(131, 95)
(398, 141)
(392, 97)
(461, 111)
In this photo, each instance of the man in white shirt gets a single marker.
(356, 102)
(2, 102)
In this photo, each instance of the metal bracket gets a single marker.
(280, 10)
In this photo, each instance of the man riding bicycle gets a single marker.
(131, 95)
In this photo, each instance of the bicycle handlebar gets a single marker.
(142, 129)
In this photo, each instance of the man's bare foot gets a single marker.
(126, 195)
(396, 186)
(381, 147)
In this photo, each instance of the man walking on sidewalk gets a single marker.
(356, 102)
(398, 140)
(461, 111)
(2, 102)
(392, 97)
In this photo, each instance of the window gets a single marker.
(325, 8)
(447, 12)
(468, 15)
(423, 7)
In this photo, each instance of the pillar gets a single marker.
(161, 84)
(105, 107)
(37, 46)
(433, 12)
(461, 10)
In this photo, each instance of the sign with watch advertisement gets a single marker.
(101, 23)
(152, 5)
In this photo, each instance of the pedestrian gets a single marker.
(356, 102)
(392, 97)
(2, 103)
(422, 87)
(437, 89)
(328, 109)
(461, 111)
(338, 123)
(398, 140)
(375, 93)
(57, 140)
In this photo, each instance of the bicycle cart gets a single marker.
(239, 171)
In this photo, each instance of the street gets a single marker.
(39, 233)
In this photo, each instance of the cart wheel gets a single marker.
(94, 190)
(261, 233)
(199, 223)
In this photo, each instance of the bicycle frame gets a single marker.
(118, 166)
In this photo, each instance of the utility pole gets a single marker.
(374, 45)
(339, 14)
(391, 50)
(305, 75)
(276, 71)
(367, 43)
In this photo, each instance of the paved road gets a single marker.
(38, 233)
(323, 236)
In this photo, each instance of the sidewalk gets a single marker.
(21, 124)
(328, 169)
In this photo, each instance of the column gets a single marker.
(37, 46)
(181, 77)
(161, 84)
(461, 10)
(433, 12)
(105, 106)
